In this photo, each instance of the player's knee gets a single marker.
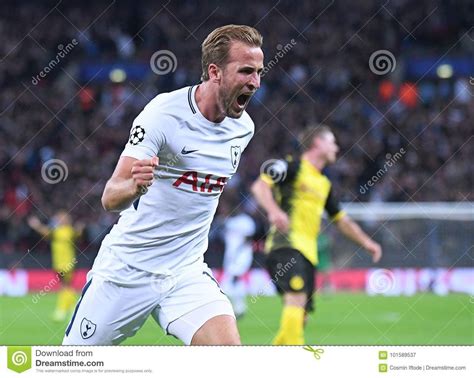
(295, 299)
(220, 339)
(220, 330)
(232, 336)
(231, 340)
(229, 337)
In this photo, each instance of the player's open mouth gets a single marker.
(243, 100)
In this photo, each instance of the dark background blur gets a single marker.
(80, 108)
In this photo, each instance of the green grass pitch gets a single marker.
(340, 319)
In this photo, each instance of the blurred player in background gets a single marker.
(295, 208)
(152, 261)
(62, 235)
(324, 261)
(239, 228)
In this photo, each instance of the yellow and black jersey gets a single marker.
(62, 247)
(303, 193)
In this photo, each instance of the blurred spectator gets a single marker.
(323, 77)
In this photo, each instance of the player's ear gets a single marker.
(315, 142)
(215, 73)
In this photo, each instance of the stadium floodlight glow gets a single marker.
(444, 71)
(117, 75)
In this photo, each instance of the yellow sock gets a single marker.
(70, 298)
(279, 338)
(66, 300)
(62, 301)
(291, 327)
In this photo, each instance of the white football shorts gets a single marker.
(117, 299)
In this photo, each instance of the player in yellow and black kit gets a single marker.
(61, 235)
(295, 193)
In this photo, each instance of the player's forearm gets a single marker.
(119, 194)
(351, 230)
(42, 230)
(264, 196)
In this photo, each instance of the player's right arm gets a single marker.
(351, 229)
(39, 227)
(130, 180)
(262, 192)
(135, 169)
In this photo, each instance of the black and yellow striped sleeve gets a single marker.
(333, 208)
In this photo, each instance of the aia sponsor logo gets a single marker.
(208, 184)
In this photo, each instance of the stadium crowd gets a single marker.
(318, 71)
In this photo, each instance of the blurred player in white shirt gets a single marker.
(238, 230)
(183, 148)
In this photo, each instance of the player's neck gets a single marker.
(208, 105)
(315, 161)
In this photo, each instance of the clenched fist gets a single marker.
(142, 173)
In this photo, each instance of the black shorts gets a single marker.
(291, 272)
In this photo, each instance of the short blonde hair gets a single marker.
(216, 46)
(309, 133)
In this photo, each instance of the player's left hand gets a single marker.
(34, 222)
(374, 249)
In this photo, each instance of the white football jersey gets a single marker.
(167, 228)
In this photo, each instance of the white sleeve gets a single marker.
(148, 134)
(247, 226)
(251, 127)
(251, 227)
